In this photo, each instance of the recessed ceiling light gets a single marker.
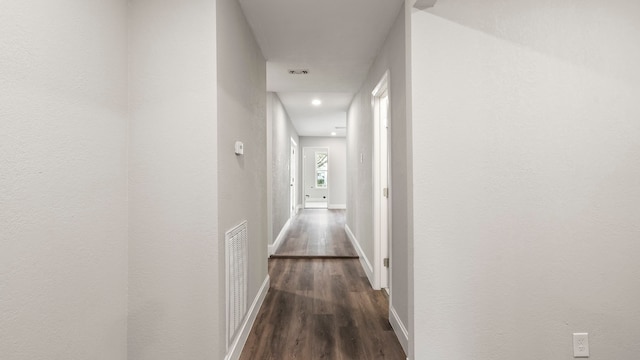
(316, 102)
(333, 133)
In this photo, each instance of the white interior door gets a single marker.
(384, 186)
(381, 184)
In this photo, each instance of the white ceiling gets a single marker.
(317, 120)
(336, 40)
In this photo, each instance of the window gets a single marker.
(322, 158)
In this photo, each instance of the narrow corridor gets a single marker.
(317, 233)
(320, 307)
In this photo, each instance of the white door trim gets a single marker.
(382, 211)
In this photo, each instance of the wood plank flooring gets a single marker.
(321, 309)
(317, 233)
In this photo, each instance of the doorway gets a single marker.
(381, 183)
(315, 169)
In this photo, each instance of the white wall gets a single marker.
(360, 140)
(282, 131)
(337, 177)
(175, 292)
(359, 217)
(63, 274)
(63, 180)
(526, 168)
(242, 116)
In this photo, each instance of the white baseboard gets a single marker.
(337, 206)
(398, 327)
(364, 261)
(235, 350)
(283, 233)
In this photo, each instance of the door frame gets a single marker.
(381, 204)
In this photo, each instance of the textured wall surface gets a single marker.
(63, 180)
(392, 57)
(175, 296)
(360, 174)
(282, 133)
(527, 178)
(360, 140)
(242, 116)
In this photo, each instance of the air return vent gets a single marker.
(236, 272)
(299, 71)
(424, 4)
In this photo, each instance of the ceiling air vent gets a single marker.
(298, 71)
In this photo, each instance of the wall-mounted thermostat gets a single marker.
(239, 148)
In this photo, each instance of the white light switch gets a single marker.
(580, 345)
(361, 158)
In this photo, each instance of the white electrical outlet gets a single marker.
(580, 345)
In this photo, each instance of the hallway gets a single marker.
(152, 156)
(320, 304)
(321, 309)
(317, 233)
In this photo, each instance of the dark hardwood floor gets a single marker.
(321, 309)
(317, 233)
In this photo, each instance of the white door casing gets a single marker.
(381, 183)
